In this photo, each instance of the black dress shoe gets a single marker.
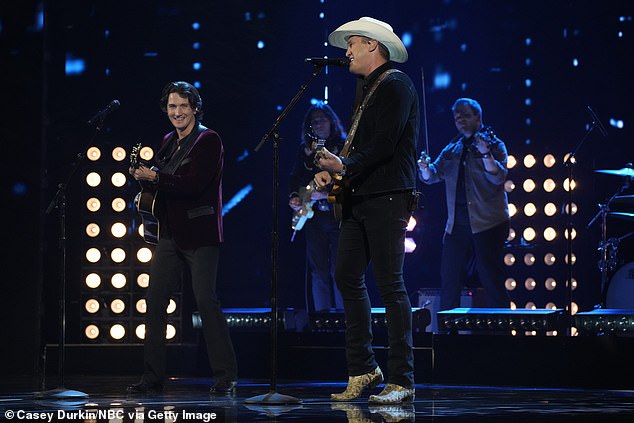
(145, 388)
(224, 387)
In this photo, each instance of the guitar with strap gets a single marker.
(144, 202)
(337, 191)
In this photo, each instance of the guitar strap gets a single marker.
(357, 114)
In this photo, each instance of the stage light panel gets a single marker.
(117, 255)
(550, 284)
(92, 306)
(528, 185)
(509, 185)
(509, 259)
(550, 209)
(549, 259)
(549, 185)
(143, 280)
(550, 233)
(529, 161)
(117, 331)
(530, 209)
(510, 284)
(117, 306)
(529, 234)
(549, 160)
(141, 306)
(511, 161)
(529, 259)
(91, 332)
(530, 284)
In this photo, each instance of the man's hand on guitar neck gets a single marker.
(327, 161)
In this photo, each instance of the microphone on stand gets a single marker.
(597, 121)
(113, 105)
(321, 61)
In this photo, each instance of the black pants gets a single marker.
(322, 238)
(488, 247)
(373, 230)
(167, 265)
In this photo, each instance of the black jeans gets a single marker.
(322, 238)
(488, 247)
(373, 230)
(165, 274)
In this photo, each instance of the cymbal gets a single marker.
(624, 199)
(626, 171)
(621, 215)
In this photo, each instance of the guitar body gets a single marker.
(305, 212)
(144, 202)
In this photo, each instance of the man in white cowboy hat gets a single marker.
(374, 183)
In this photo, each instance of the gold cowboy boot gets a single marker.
(356, 385)
(393, 394)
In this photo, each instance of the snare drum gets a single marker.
(621, 288)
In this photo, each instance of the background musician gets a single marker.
(473, 167)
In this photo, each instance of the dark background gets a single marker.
(131, 49)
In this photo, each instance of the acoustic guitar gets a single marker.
(144, 202)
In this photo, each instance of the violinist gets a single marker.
(473, 167)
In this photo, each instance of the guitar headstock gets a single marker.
(487, 134)
(134, 156)
(318, 145)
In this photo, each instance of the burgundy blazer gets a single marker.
(190, 200)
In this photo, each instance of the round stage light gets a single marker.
(117, 306)
(119, 154)
(528, 185)
(144, 255)
(91, 331)
(141, 306)
(568, 185)
(509, 259)
(117, 255)
(549, 185)
(171, 307)
(93, 179)
(509, 185)
(118, 179)
(511, 235)
(117, 331)
(529, 234)
(551, 306)
(512, 210)
(510, 284)
(549, 160)
(574, 208)
(550, 284)
(549, 259)
(93, 204)
(530, 306)
(143, 280)
(92, 230)
(146, 153)
(530, 209)
(530, 284)
(118, 230)
(550, 233)
(93, 255)
(140, 331)
(118, 280)
(93, 280)
(529, 259)
(550, 209)
(574, 233)
(118, 204)
(170, 332)
(92, 306)
(511, 161)
(93, 154)
(529, 161)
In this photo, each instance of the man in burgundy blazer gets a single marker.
(187, 181)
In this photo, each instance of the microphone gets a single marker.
(598, 123)
(113, 105)
(321, 61)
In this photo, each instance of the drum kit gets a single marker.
(619, 293)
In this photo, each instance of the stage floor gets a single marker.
(187, 399)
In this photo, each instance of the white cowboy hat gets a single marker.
(374, 29)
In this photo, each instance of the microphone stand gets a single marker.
(570, 162)
(273, 397)
(59, 202)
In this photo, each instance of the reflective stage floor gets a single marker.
(187, 399)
